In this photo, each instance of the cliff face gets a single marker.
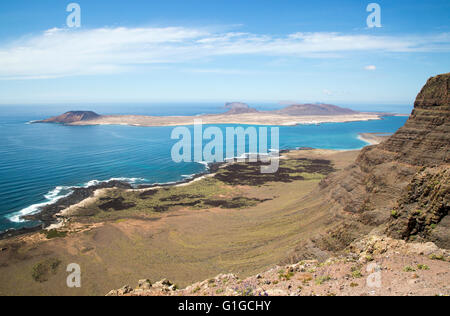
(425, 138)
(422, 210)
(379, 188)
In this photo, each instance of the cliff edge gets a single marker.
(403, 183)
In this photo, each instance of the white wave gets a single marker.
(52, 197)
(253, 155)
(128, 180)
(188, 176)
(60, 192)
(205, 163)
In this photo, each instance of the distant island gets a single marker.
(236, 113)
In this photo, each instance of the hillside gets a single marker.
(239, 108)
(315, 109)
(407, 270)
(72, 117)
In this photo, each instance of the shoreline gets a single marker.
(50, 215)
(261, 118)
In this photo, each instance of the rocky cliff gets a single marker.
(402, 182)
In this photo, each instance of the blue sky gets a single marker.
(246, 50)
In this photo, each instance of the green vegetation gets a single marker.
(42, 271)
(53, 233)
(423, 267)
(354, 284)
(285, 276)
(210, 192)
(307, 279)
(290, 170)
(394, 214)
(437, 257)
(321, 280)
(409, 269)
(356, 272)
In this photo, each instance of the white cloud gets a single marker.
(61, 52)
(371, 68)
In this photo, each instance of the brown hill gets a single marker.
(71, 117)
(314, 109)
(239, 108)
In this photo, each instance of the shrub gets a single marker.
(321, 280)
(285, 276)
(357, 274)
(42, 270)
(409, 269)
(53, 233)
(436, 257)
(423, 267)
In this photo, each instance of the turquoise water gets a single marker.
(39, 163)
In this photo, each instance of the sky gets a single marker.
(221, 51)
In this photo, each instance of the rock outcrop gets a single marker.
(422, 208)
(406, 173)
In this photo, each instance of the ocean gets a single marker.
(40, 163)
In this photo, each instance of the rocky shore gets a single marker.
(49, 215)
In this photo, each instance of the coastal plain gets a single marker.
(184, 233)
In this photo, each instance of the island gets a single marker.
(237, 113)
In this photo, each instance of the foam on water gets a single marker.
(60, 192)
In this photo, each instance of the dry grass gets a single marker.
(184, 243)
